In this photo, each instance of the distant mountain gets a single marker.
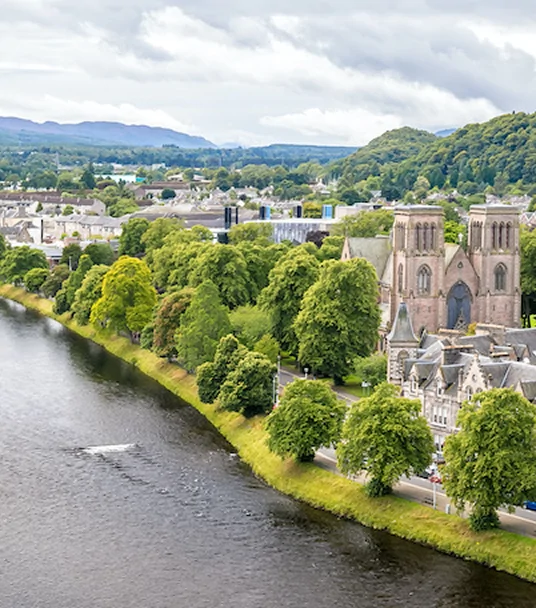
(444, 132)
(17, 131)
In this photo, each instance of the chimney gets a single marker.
(451, 353)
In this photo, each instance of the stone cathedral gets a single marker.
(444, 285)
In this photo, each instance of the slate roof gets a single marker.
(402, 329)
(376, 250)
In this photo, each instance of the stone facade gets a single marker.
(445, 285)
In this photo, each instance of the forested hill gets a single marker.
(498, 154)
(391, 147)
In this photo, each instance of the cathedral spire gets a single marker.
(402, 328)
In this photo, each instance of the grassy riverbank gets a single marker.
(499, 549)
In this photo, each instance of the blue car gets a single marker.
(530, 505)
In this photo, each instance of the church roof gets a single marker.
(402, 329)
(450, 251)
(375, 250)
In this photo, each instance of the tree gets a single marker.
(259, 262)
(249, 388)
(339, 318)
(89, 292)
(167, 321)
(385, 436)
(128, 297)
(57, 276)
(155, 235)
(226, 267)
(260, 233)
(87, 180)
(372, 370)
(365, 224)
(68, 210)
(290, 278)
(18, 261)
(491, 461)
(167, 194)
(34, 279)
(331, 248)
(70, 255)
(100, 253)
(130, 241)
(308, 417)
(421, 188)
(267, 346)
(75, 280)
(202, 326)
(211, 375)
(249, 324)
(3, 246)
(123, 206)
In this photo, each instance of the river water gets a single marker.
(173, 518)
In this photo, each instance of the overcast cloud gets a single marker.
(263, 71)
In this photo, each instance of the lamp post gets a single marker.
(306, 370)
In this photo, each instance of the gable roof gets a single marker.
(375, 250)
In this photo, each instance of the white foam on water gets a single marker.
(108, 449)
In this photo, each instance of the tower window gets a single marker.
(494, 235)
(400, 278)
(501, 235)
(424, 280)
(500, 278)
(425, 242)
(508, 235)
(418, 242)
(433, 237)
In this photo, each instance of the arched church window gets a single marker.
(500, 277)
(425, 237)
(424, 280)
(433, 237)
(400, 278)
(508, 235)
(494, 235)
(418, 243)
(402, 356)
(501, 235)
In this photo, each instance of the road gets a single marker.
(418, 489)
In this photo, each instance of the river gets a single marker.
(172, 518)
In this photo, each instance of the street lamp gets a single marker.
(306, 370)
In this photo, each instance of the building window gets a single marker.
(424, 280)
(468, 393)
(494, 235)
(501, 235)
(425, 241)
(433, 237)
(418, 243)
(500, 278)
(508, 235)
(400, 278)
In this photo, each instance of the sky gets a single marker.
(256, 72)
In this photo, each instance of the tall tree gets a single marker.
(339, 319)
(202, 326)
(226, 267)
(100, 253)
(34, 279)
(212, 375)
(3, 246)
(90, 291)
(249, 387)
(74, 282)
(385, 436)
(154, 236)
(167, 321)
(491, 461)
(290, 278)
(18, 261)
(128, 297)
(130, 241)
(308, 417)
(57, 277)
(260, 234)
(71, 255)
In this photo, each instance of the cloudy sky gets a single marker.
(263, 71)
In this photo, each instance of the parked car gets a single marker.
(530, 505)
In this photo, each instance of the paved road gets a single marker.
(418, 489)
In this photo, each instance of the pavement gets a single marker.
(417, 489)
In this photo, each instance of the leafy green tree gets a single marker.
(290, 278)
(249, 324)
(339, 318)
(249, 388)
(68, 210)
(34, 279)
(155, 235)
(491, 461)
(87, 180)
(71, 255)
(61, 305)
(421, 188)
(18, 261)
(211, 375)
(100, 253)
(331, 248)
(267, 346)
(259, 261)
(226, 267)
(130, 241)
(372, 370)
(202, 326)
(453, 231)
(386, 436)
(76, 278)
(58, 275)
(66, 181)
(308, 417)
(167, 321)
(89, 292)
(259, 233)
(3, 246)
(123, 206)
(365, 224)
(167, 194)
(128, 297)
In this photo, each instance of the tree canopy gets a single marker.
(89, 292)
(167, 321)
(491, 461)
(386, 436)
(18, 261)
(130, 241)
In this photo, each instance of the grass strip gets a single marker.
(498, 549)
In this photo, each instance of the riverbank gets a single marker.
(306, 482)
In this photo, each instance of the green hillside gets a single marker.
(499, 154)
